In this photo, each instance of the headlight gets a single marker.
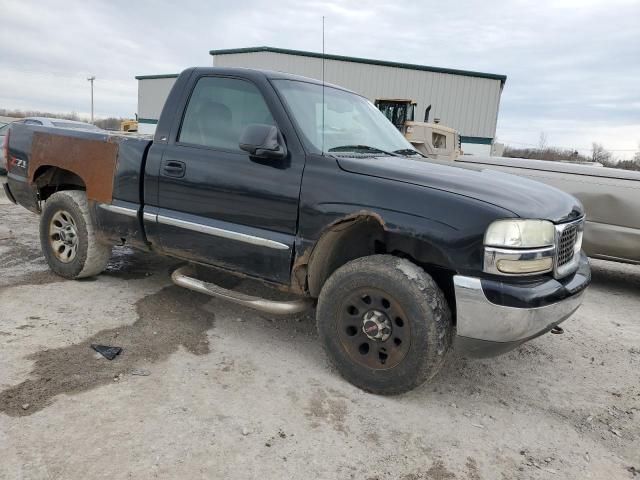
(520, 234)
(519, 247)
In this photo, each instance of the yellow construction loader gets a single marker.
(129, 126)
(431, 139)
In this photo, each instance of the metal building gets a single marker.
(465, 100)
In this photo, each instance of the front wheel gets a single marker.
(384, 324)
(68, 237)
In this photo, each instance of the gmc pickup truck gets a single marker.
(310, 189)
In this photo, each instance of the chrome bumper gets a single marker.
(479, 319)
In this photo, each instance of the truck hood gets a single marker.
(523, 197)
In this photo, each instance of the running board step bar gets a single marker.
(182, 277)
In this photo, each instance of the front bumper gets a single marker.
(490, 324)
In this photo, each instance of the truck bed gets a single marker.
(109, 164)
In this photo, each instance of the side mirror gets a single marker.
(263, 141)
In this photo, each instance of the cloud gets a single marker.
(572, 65)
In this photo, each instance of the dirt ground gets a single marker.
(207, 389)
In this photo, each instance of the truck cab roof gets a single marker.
(254, 73)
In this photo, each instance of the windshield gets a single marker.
(351, 122)
(396, 112)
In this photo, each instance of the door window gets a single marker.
(439, 140)
(218, 111)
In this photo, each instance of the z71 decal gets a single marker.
(17, 162)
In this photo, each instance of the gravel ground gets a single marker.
(207, 389)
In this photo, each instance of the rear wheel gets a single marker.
(384, 323)
(68, 237)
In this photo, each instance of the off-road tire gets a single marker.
(423, 304)
(91, 256)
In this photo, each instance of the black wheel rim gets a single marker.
(373, 329)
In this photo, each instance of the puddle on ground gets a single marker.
(168, 319)
(129, 264)
(125, 263)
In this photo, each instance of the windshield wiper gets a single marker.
(408, 151)
(367, 148)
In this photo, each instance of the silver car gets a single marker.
(611, 198)
(44, 121)
(3, 161)
(59, 123)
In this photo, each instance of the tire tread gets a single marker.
(428, 299)
(97, 254)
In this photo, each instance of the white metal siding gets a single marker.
(468, 104)
(152, 94)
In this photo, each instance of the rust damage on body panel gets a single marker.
(94, 161)
(314, 264)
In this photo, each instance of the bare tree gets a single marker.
(632, 164)
(599, 154)
(542, 141)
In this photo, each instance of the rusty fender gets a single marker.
(94, 161)
(299, 272)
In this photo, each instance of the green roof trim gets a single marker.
(476, 140)
(153, 77)
(151, 121)
(383, 63)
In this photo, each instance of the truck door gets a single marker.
(215, 204)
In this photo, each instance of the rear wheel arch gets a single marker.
(49, 179)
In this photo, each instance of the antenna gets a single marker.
(323, 107)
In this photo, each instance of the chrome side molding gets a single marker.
(150, 217)
(129, 212)
(219, 232)
(183, 278)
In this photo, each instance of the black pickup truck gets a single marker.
(310, 189)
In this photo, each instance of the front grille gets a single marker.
(566, 244)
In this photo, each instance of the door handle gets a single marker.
(174, 168)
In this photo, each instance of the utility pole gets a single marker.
(91, 79)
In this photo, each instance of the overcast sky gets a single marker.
(573, 66)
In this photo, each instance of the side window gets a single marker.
(439, 140)
(218, 111)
